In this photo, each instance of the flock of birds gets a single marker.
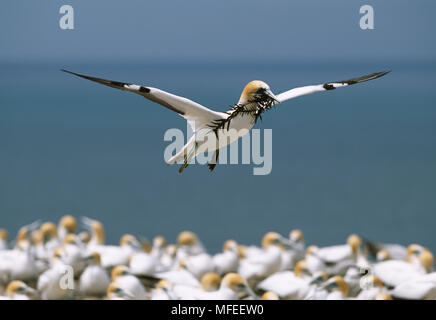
(37, 265)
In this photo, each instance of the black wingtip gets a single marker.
(73, 73)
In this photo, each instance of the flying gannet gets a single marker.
(228, 126)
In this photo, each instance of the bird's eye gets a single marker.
(260, 90)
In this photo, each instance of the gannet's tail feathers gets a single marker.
(301, 91)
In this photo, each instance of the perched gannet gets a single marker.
(228, 260)
(94, 280)
(179, 276)
(74, 254)
(96, 229)
(142, 263)
(24, 234)
(169, 258)
(3, 239)
(233, 287)
(335, 260)
(163, 291)
(50, 239)
(255, 99)
(293, 285)
(394, 272)
(19, 263)
(295, 252)
(67, 225)
(50, 285)
(259, 265)
(392, 250)
(189, 245)
(198, 265)
(419, 288)
(372, 287)
(158, 248)
(18, 290)
(110, 255)
(128, 282)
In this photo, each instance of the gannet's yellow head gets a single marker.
(311, 250)
(23, 234)
(210, 281)
(127, 240)
(94, 258)
(235, 282)
(354, 242)
(49, 230)
(269, 295)
(37, 237)
(59, 254)
(301, 269)
(71, 238)
(257, 91)
(230, 245)
(114, 290)
(272, 239)
(187, 238)
(119, 271)
(427, 260)
(383, 255)
(376, 281)
(145, 246)
(296, 235)
(3, 234)
(337, 283)
(159, 242)
(414, 250)
(69, 223)
(183, 263)
(97, 231)
(164, 284)
(242, 251)
(84, 236)
(383, 296)
(19, 287)
(171, 250)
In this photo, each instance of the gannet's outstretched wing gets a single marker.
(196, 114)
(296, 92)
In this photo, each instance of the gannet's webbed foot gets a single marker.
(188, 157)
(183, 167)
(214, 161)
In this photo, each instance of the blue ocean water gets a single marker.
(355, 160)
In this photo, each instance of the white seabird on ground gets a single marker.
(94, 280)
(128, 283)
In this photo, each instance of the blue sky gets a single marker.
(217, 30)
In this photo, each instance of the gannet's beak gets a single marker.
(286, 243)
(245, 291)
(272, 95)
(30, 291)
